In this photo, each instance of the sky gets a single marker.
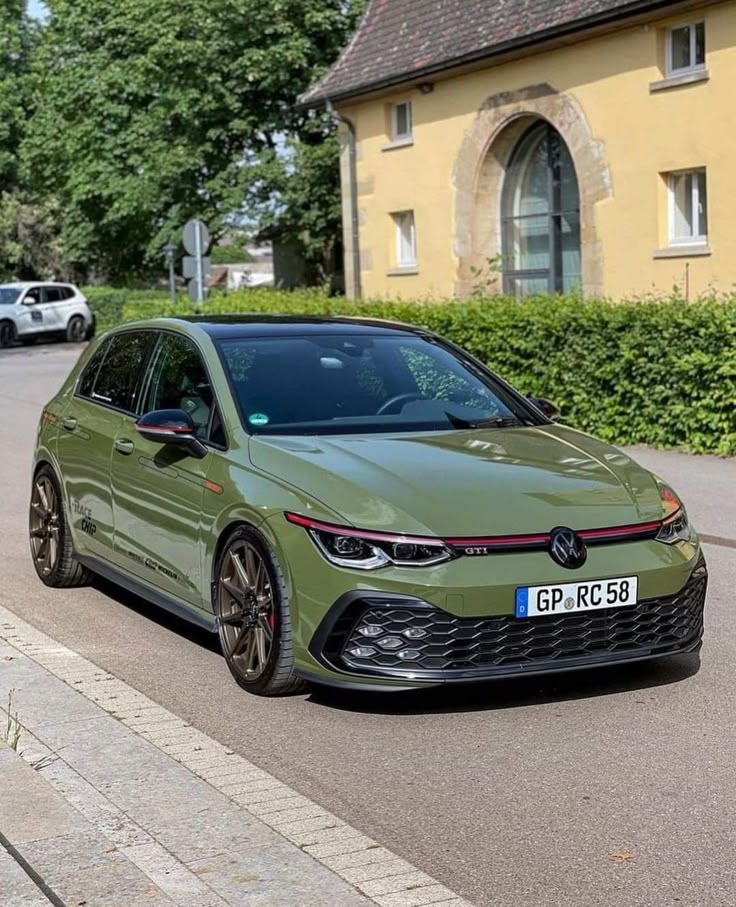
(36, 8)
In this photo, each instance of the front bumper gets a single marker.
(443, 647)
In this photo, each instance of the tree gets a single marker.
(13, 59)
(148, 112)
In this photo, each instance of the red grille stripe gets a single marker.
(496, 541)
(360, 533)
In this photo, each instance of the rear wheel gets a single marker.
(51, 541)
(8, 334)
(76, 330)
(252, 609)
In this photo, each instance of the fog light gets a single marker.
(362, 651)
(409, 655)
(415, 633)
(371, 631)
(391, 642)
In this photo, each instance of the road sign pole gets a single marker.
(200, 279)
(196, 266)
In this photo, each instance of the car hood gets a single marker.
(466, 483)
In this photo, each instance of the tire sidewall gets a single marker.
(280, 599)
(52, 578)
(73, 321)
(8, 334)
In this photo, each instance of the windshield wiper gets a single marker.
(493, 422)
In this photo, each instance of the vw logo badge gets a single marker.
(567, 548)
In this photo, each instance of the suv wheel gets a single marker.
(252, 610)
(76, 330)
(51, 540)
(8, 334)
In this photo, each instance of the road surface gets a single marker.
(615, 787)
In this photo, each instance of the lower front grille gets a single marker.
(395, 637)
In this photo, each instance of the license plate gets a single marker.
(572, 598)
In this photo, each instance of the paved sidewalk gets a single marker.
(116, 802)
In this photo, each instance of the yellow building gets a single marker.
(537, 146)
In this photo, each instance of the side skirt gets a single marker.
(184, 611)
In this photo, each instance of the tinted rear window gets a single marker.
(119, 378)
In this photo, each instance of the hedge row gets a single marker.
(636, 372)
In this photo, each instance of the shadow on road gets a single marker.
(160, 616)
(517, 692)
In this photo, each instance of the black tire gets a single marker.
(48, 525)
(235, 613)
(8, 334)
(76, 330)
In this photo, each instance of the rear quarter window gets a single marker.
(119, 376)
(86, 384)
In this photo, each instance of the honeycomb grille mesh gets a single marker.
(438, 641)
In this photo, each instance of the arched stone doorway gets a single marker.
(540, 216)
(505, 125)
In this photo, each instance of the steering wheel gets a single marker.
(399, 398)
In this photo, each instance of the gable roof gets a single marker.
(399, 40)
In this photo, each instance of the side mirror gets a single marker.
(30, 300)
(172, 427)
(549, 409)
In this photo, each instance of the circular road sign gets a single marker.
(196, 238)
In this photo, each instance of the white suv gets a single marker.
(30, 310)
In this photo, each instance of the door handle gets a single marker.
(123, 446)
(69, 423)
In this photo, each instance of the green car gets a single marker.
(356, 503)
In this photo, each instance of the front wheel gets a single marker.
(252, 610)
(8, 334)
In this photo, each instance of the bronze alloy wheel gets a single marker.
(246, 609)
(44, 525)
(253, 619)
(52, 547)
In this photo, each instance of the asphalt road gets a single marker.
(511, 794)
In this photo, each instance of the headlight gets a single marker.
(675, 525)
(360, 549)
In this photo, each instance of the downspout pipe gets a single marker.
(353, 176)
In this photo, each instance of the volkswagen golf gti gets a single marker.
(357, 503)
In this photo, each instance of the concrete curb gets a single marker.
(96, 740)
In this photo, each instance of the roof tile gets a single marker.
(399, 39)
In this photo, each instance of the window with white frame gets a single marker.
(406, 239)
(401, 122)
(686, 49)
(688, 207)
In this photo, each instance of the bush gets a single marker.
(659, 372)
(107, 303)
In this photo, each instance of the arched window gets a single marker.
(541, 216)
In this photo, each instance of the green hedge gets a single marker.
(635, 372)
(107, 302)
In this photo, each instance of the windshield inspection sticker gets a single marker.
(259, 419)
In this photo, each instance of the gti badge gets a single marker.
(567, 548)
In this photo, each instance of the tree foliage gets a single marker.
(14, 38)
(148, 112)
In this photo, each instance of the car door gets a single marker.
(108, 388)
(157, 489)
(30, 312)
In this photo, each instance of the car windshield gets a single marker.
(8, 295)
(358, 383)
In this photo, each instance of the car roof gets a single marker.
(28, 284)
(261, 325)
